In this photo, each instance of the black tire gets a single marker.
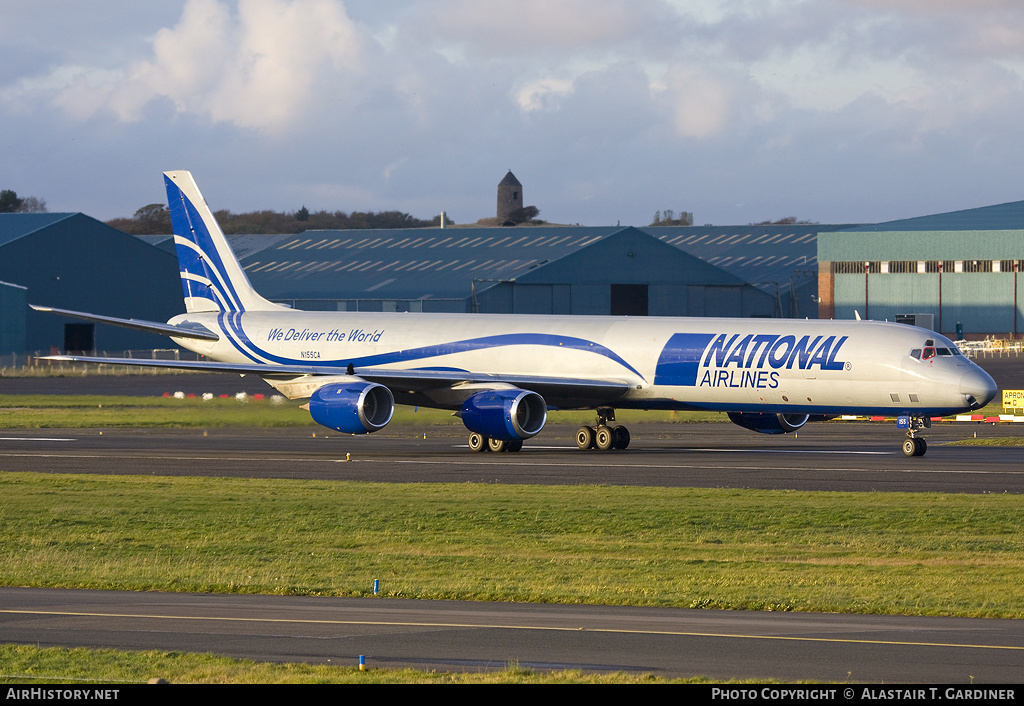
(603, 438)
(477, 442)
(585, 438)
(497, 445)
(620, 438)
(910, 447)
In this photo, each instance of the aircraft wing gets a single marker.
(196, 331)
(604, 390)
(559, 392)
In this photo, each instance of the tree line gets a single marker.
(155, 219)
(685, 218)
(10, 202)
(668, 218)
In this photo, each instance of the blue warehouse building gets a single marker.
(72, 261)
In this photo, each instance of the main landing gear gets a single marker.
(481, 443)
(915, 445)
(603, 437)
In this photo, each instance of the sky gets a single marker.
(739, 111)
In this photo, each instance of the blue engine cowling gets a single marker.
(507, 415)
(769, 423)
(358, 407)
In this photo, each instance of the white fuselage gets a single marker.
(741, 365)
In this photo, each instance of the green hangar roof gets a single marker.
(1007, 216)
(986, 233)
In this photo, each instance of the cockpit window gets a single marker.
(930, 351)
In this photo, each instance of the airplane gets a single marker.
(501, 373)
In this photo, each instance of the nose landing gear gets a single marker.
(915, 445)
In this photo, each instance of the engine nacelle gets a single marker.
(358, 407)
(507, 415)
(769, 423)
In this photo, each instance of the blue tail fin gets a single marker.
(211, 277)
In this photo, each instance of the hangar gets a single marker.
(13, 308)
(72, 261)
(533, 270)
(781, 260)
(960, 269)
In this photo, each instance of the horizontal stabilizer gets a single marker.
(195, 331)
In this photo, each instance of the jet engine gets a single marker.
(506, 415)
(358, 407)
(769, 423)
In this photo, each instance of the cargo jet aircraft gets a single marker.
(502, 373)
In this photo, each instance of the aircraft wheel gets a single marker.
(497, 445)
(514, 446)
(620, 438)
(585, 438)
(603, 438)
(477, 442)
(915, 447)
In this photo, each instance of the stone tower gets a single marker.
(510, 196)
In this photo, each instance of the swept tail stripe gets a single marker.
(197, 252)
(196, 278)
(211, 258)
(486, 342)
(231, 324)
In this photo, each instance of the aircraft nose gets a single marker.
(977, 387)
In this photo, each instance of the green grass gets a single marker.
(1002, 441)
(97, 411)
(31, 666)
(87, 411)
(899, 553)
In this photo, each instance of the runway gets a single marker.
(468, 636)
(456, 636)
(834, 456)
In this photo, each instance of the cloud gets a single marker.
(542, 93)
(258, 68)
(422, 104)
(700, 100)
(538, 28)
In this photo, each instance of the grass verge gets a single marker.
(97, 411)
(32, 666)
(904, 553)
(1001, 441)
